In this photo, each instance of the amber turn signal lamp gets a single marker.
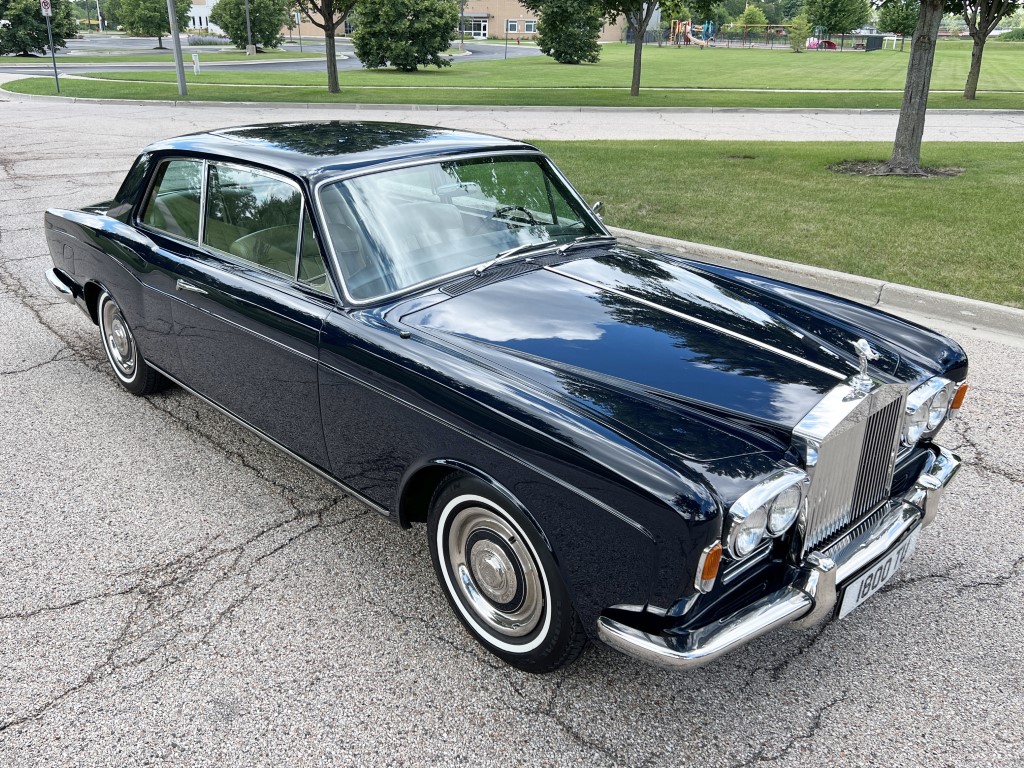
(958, 398)
(707, 568)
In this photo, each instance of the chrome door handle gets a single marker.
(181, 285)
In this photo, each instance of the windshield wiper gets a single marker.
(587, 240)
(513, 252)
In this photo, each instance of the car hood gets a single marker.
(628, 322)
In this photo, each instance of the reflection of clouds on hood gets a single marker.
(687, 286)
(553, 319)
(790, 404)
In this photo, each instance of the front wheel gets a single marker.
(500, 579)
(126, 361)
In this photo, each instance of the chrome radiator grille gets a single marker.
(855, 436)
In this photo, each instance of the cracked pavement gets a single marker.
(172, 590)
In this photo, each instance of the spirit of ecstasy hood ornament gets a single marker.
(862, 382)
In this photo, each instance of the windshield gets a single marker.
(394, 229)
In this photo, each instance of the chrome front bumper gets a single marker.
(811, 598)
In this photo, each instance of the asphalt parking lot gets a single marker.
(174, 591)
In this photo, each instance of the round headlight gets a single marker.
(917, 422)
(748, 532)
(784, 510)
(939, 406)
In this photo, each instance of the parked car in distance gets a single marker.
(603, 442)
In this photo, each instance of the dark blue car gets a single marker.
(603, 442)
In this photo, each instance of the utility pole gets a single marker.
(250, 49)
(179, 64)
(99, 16)
(462, 25)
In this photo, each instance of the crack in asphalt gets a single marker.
(180, 602)
(817, 718)
(58, 357)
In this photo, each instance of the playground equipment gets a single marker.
(686, 33)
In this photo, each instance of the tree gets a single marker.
(404, 33)
(839, 17)
(567, 29)
(328, 15)
(638, 15)
(906, 149)
(148, 18)
(899, 17)
(981, 16)
(27, 33)
(266, 17)
(751, 20)
(799, 31)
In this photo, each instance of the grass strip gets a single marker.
(958, 235)
(98, 88)
(697, 68)
(115, 58)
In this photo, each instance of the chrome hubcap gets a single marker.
(119, 342)
(495, 572)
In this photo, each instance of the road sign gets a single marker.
(47, 7)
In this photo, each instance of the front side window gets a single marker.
(395, 229)
(174, 200)
(254, 216)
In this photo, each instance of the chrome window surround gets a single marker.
(836, 440)
(136, 220)
(435, 160)
(758, 496)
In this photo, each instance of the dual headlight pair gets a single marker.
(768, 509)
(928, 406)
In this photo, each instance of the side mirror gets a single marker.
(596, 207)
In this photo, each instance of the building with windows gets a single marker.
(495, 18)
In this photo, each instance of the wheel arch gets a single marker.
(422, 480)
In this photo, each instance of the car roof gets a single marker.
(318, 149)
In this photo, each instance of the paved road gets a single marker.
(67, 61)
(173, 591)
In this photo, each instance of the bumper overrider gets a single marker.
(811, 596)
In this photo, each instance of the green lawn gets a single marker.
(944, 234)
(687, 67)
(141, 89)
(114, 58)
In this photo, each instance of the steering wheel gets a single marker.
(526, 215)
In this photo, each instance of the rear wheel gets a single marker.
(126, 361)
(500, 579)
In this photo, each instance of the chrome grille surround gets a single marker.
(850, 440)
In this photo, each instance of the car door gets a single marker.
(251, 306)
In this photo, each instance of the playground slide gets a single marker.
(695, 41)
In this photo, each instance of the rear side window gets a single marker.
(174, 201)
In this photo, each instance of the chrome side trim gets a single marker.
(703, 323)
(287, 452)
(811, 598)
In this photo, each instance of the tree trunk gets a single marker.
(971, 89)
(638, 54)
(332, 63)
(906, 149)
(160, 41)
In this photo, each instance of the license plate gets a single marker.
(877, 576)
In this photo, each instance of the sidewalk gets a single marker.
(570, 123)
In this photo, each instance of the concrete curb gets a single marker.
(890, 297)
